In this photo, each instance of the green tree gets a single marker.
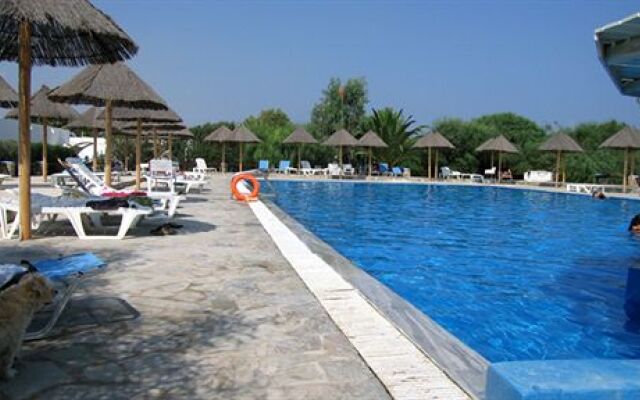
(272, 126)
(341, 106)
(399, 132)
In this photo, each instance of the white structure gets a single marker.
(87, 151)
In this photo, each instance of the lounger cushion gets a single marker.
(63, 267)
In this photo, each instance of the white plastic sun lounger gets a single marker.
(48, 207)
(201, 167)
(164, 172)
(94, 186)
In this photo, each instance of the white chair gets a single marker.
(490, 172)
(48, 207)
(348, 169)
(3, 177)
(538, 176)
(305, 169)
(333, 170)
(201, 167)
(166, 172)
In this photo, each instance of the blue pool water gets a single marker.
(515, 274)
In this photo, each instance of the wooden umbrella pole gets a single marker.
(564, 168)
(429, 163)
(558, 168)
(126, 153)
(435, 170)
(299, 157)
(108, 139)
(155, 143)
(370, 162)
(45, 145)
(138, 153)
(632, 163)
(222, 163)
(624, 173)
(95, 149)
(240, 156)
(341, 170)
(492, 159)
(24, 136)
(170, 145)
(499, 166)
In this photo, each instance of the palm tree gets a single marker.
(399, 133)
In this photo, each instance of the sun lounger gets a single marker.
(91, 185)
(49, 208)
(284, 167)
(347, 169)
(490, 172)
(201, 167)
(396, 171)
(3, 177)
(332, 170)
(538, 176)
(383, 169)
(66, 273)
(263, 165)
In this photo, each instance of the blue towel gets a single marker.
(60, 268)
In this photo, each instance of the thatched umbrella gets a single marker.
(169, 127)
(108, 86)
(371, 140)
(560, 143)
(45, 111)
(88, 120)
(500, 145)
(8, 96)
(433, 140)
(243, 135)
(341, 139)
(300, 136)
(142, 116)
(222, 135)
(52, 32)
(627, 139)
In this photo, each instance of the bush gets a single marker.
(9, 152)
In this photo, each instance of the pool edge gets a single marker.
(458, 361)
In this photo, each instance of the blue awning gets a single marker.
(618, 46)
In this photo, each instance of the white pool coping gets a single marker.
(403, 369)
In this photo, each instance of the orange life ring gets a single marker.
(253, 196)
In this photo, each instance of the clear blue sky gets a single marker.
(227, 60)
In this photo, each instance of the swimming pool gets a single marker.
(514, 274)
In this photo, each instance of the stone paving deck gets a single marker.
(223, 316)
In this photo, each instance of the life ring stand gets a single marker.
(235, 192)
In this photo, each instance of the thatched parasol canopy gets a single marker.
(145, 115)
(561, 142)
(433, 140)
(63, 32)
(53, 32)
(626, 139)
(243, 135)
(370, 140)
(341, 138)
(221, 134)
(110, 85)
(45, 111)
(499, 144)
(8, 96)
(300, 136)
(116, 83)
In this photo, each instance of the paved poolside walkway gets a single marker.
(223, 316)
